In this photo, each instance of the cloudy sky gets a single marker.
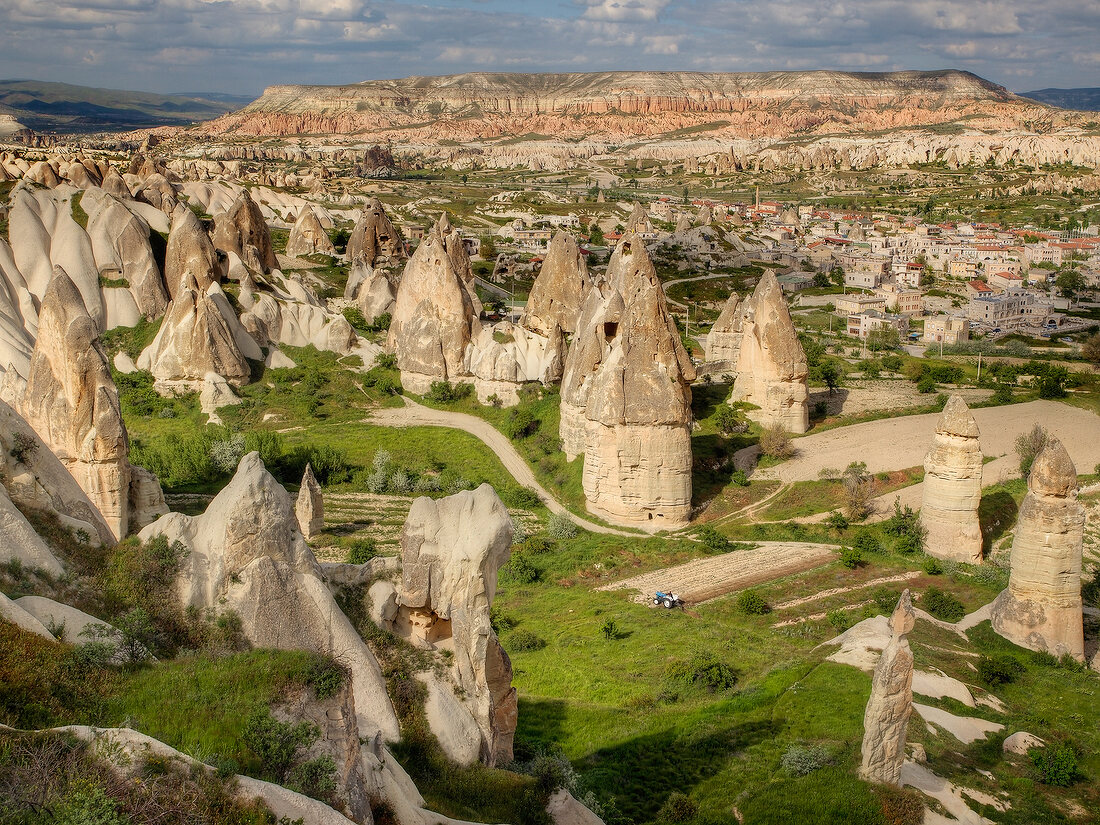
(240, 46)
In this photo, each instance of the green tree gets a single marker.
(1070, 282)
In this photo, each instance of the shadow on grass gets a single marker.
(641, 773)
(996, 513)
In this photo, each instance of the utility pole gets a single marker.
(979, 367)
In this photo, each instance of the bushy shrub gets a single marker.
(276, 744)
(520, 423)
(443, 392)
(839, 620)
(679, 807)
(703, 670)
(729, 421)
(381, 380)
(802, 760)
(850, 557)
(752, 603)
(1056, 764)
(866, 541)
(837, 521)
(1028, 447)
(739, 478)
(932, 566)
(385, 360)
(944, 606)
(362, 550)
(713, 540)
(23, 446)
(999, 669)
(560, 527)
(926, 385)
(904, 525)
(400, 482)
(519, 497)
(775, 442)
(226, 453)
(521, 570)
(538, 545)
(900, 806)
(523, 639)
(885, 599)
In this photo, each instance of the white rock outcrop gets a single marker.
(308, 237)
(1041, 608)
(72, 402)
(724, 339)
(433, 319)
(242, 231)
(248, 555)
(953, 487)
(374, 239)
(560, 288)
(771, 364)
(451, 551)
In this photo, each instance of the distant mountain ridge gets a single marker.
(1081, 100)
(615, 106)
(63, 107)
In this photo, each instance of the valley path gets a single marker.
(417, 415)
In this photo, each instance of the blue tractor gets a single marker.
(667, 600)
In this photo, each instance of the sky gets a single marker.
(241, 46)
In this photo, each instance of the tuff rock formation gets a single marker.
(248, 555)
(559, 290)
(72, 402)
(21, 542)
(308, 236)
(190, 254)
(433, 318)
(460, 259)
(638, 222)
(374, 239)
(771, 365)
(451, 550)
(724, 339)
(1041, 607)
(626, 399)
(891, 702)
(216, 393)
(120, 244)
(953, 487)
(243, 232)
(309, 509)
(371, 289)
(197, 337)
(36, 478)
(500, 367)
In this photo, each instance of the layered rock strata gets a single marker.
(560, 289)
(451, 551)
(887, 715)
(626, 399)
(1041, 607)
(771, 364)
(953, 487)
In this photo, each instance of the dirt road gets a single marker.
(708, 578)
(897, 443)
(417, 415)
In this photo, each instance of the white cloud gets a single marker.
(662, 44)
(624, 10)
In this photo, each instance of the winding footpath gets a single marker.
(417, 415)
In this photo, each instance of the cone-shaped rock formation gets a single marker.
(559, 290)
(953, 487)
(771, 365)
(1041, 607)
